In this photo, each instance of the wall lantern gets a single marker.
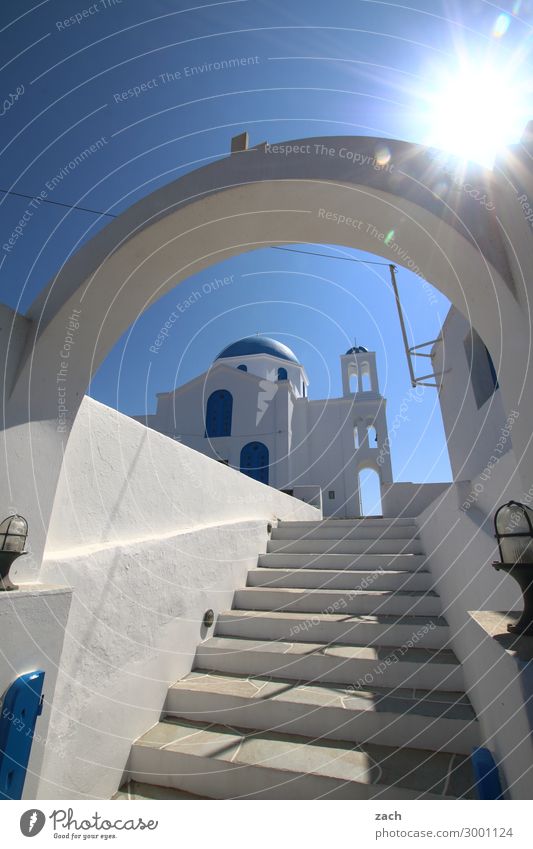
(13, 533)
(513, 525)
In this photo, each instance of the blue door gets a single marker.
(21, 705)
(254, 461)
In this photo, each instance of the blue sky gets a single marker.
(343, 67)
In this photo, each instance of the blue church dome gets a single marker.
(258, 345)
(358, 349)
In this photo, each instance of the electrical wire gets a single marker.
(57, 203)
(329, 256)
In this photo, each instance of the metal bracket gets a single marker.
(412, 351)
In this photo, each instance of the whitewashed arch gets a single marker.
(315, 193)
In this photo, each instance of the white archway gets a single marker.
(315, 193)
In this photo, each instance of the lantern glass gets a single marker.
(13, 533)
(514, 531)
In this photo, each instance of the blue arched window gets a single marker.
(242, 368)
(282, 374)
(254, 461)
(218, 413)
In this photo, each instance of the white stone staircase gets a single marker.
(329, 678)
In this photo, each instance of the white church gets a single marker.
(251, 411)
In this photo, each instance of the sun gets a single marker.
(476, 112)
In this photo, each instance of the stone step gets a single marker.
(344, 546)
(352, 602)
(344, 579)
(324, 530)
(223, 762)
(137, 791)
(355, 562)
(424, 631)
(343, 524)
(349, 664)
(419, 718)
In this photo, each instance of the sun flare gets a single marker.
(475, 113)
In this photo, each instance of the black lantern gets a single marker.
(513, 525)
(13, 533)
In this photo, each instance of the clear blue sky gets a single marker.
(345, 66)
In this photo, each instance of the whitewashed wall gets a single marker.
(472, 433)
(149, 534)
(409, 499)
(458, 533)
(32, 630)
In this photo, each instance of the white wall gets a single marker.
(266, 367)
(472, 433)
(13, 332)
(458, 533)
(260, 412)
(123, 482)
(150, 534)
(32, 629)
(502, 694)
(409, 499)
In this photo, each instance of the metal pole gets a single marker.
(392, 269)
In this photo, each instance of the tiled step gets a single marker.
(353, 602)
(343, 524)
(137, 791)
(355, 665)
(324, 530)
(355, 562)
(223, 762)
(419, 718)
(425, 631)
(344, 546)
(344, 579)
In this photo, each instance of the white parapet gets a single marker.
(32, 626)
(150, 534)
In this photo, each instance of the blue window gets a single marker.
(242, 368)
(282, 374)
(482, 372)
(254, 461)
(218, 413)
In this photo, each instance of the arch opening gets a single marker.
(369, 489)
(263, 211)
(371, 436)
(240, 204)
(365, 384)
